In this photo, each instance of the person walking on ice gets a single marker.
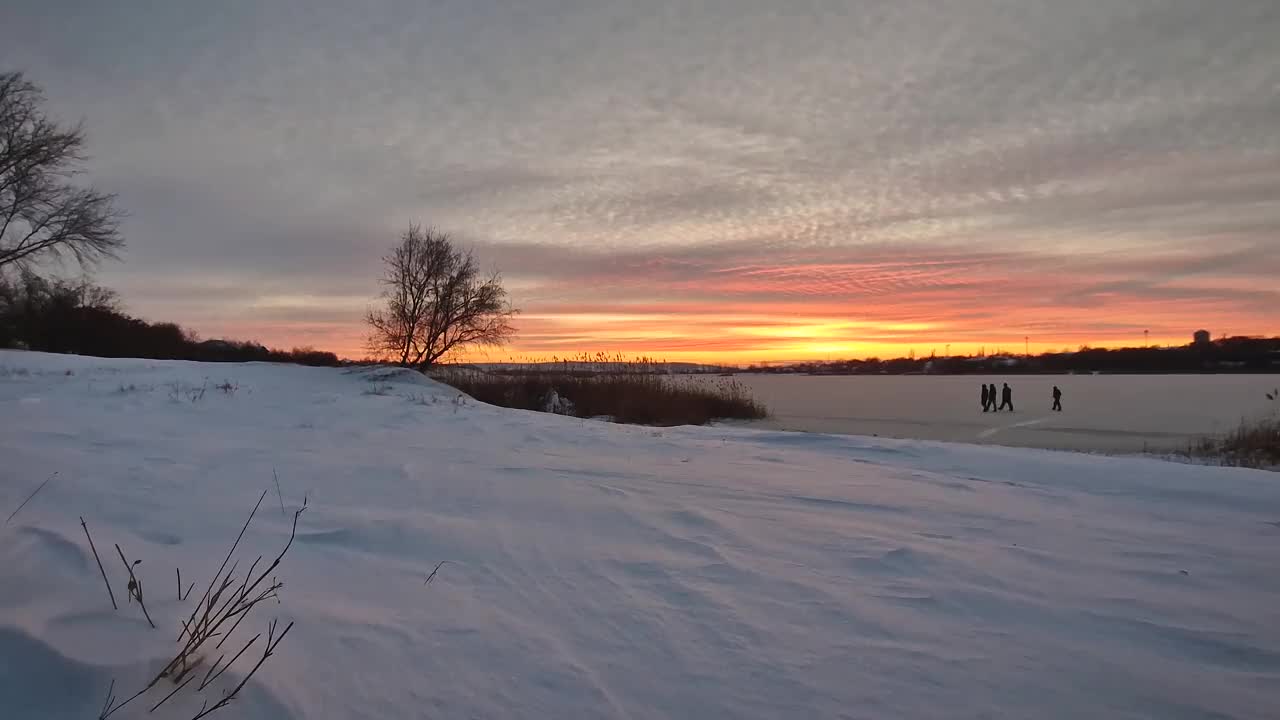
(1057, 399)
(986, 398)
(1006, 397)
(991, 397)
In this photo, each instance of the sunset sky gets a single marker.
(724, 180)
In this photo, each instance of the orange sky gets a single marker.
(740, 339)
(889, 303)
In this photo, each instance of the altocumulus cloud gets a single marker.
(727, 176)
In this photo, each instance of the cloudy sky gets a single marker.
(732, 179)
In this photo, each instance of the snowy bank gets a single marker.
(598, 570)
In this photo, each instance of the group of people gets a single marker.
(989, 398)
(989, 395)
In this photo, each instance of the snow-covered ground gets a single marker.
(609, 571)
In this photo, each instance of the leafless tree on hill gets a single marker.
(436, 302)
(43, 213)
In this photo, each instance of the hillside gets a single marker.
(598, 570)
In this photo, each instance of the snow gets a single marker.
(610, 571)
(1101, 413)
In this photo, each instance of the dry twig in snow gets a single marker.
(135, 585)
(102, 570)
(33, 494)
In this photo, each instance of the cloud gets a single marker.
(1073, 170)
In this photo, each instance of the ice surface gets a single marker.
(1106, 413)
(610, 571)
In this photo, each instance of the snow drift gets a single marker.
(597, 570)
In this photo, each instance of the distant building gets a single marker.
(1201, 337)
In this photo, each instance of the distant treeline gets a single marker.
(62, 316)
(1232, 354)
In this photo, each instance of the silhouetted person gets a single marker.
(986, 398)
(1006, 397)
(991, 397)
(1057, 399)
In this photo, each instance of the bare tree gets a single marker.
(436, 302)
(43, 213)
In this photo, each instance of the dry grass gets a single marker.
(1253, 444)
(33, 494)
(191, 393)
(628, 396)
(228, 600)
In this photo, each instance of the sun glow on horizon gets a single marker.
(707, 338)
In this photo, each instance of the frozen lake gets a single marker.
(1106, 413)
